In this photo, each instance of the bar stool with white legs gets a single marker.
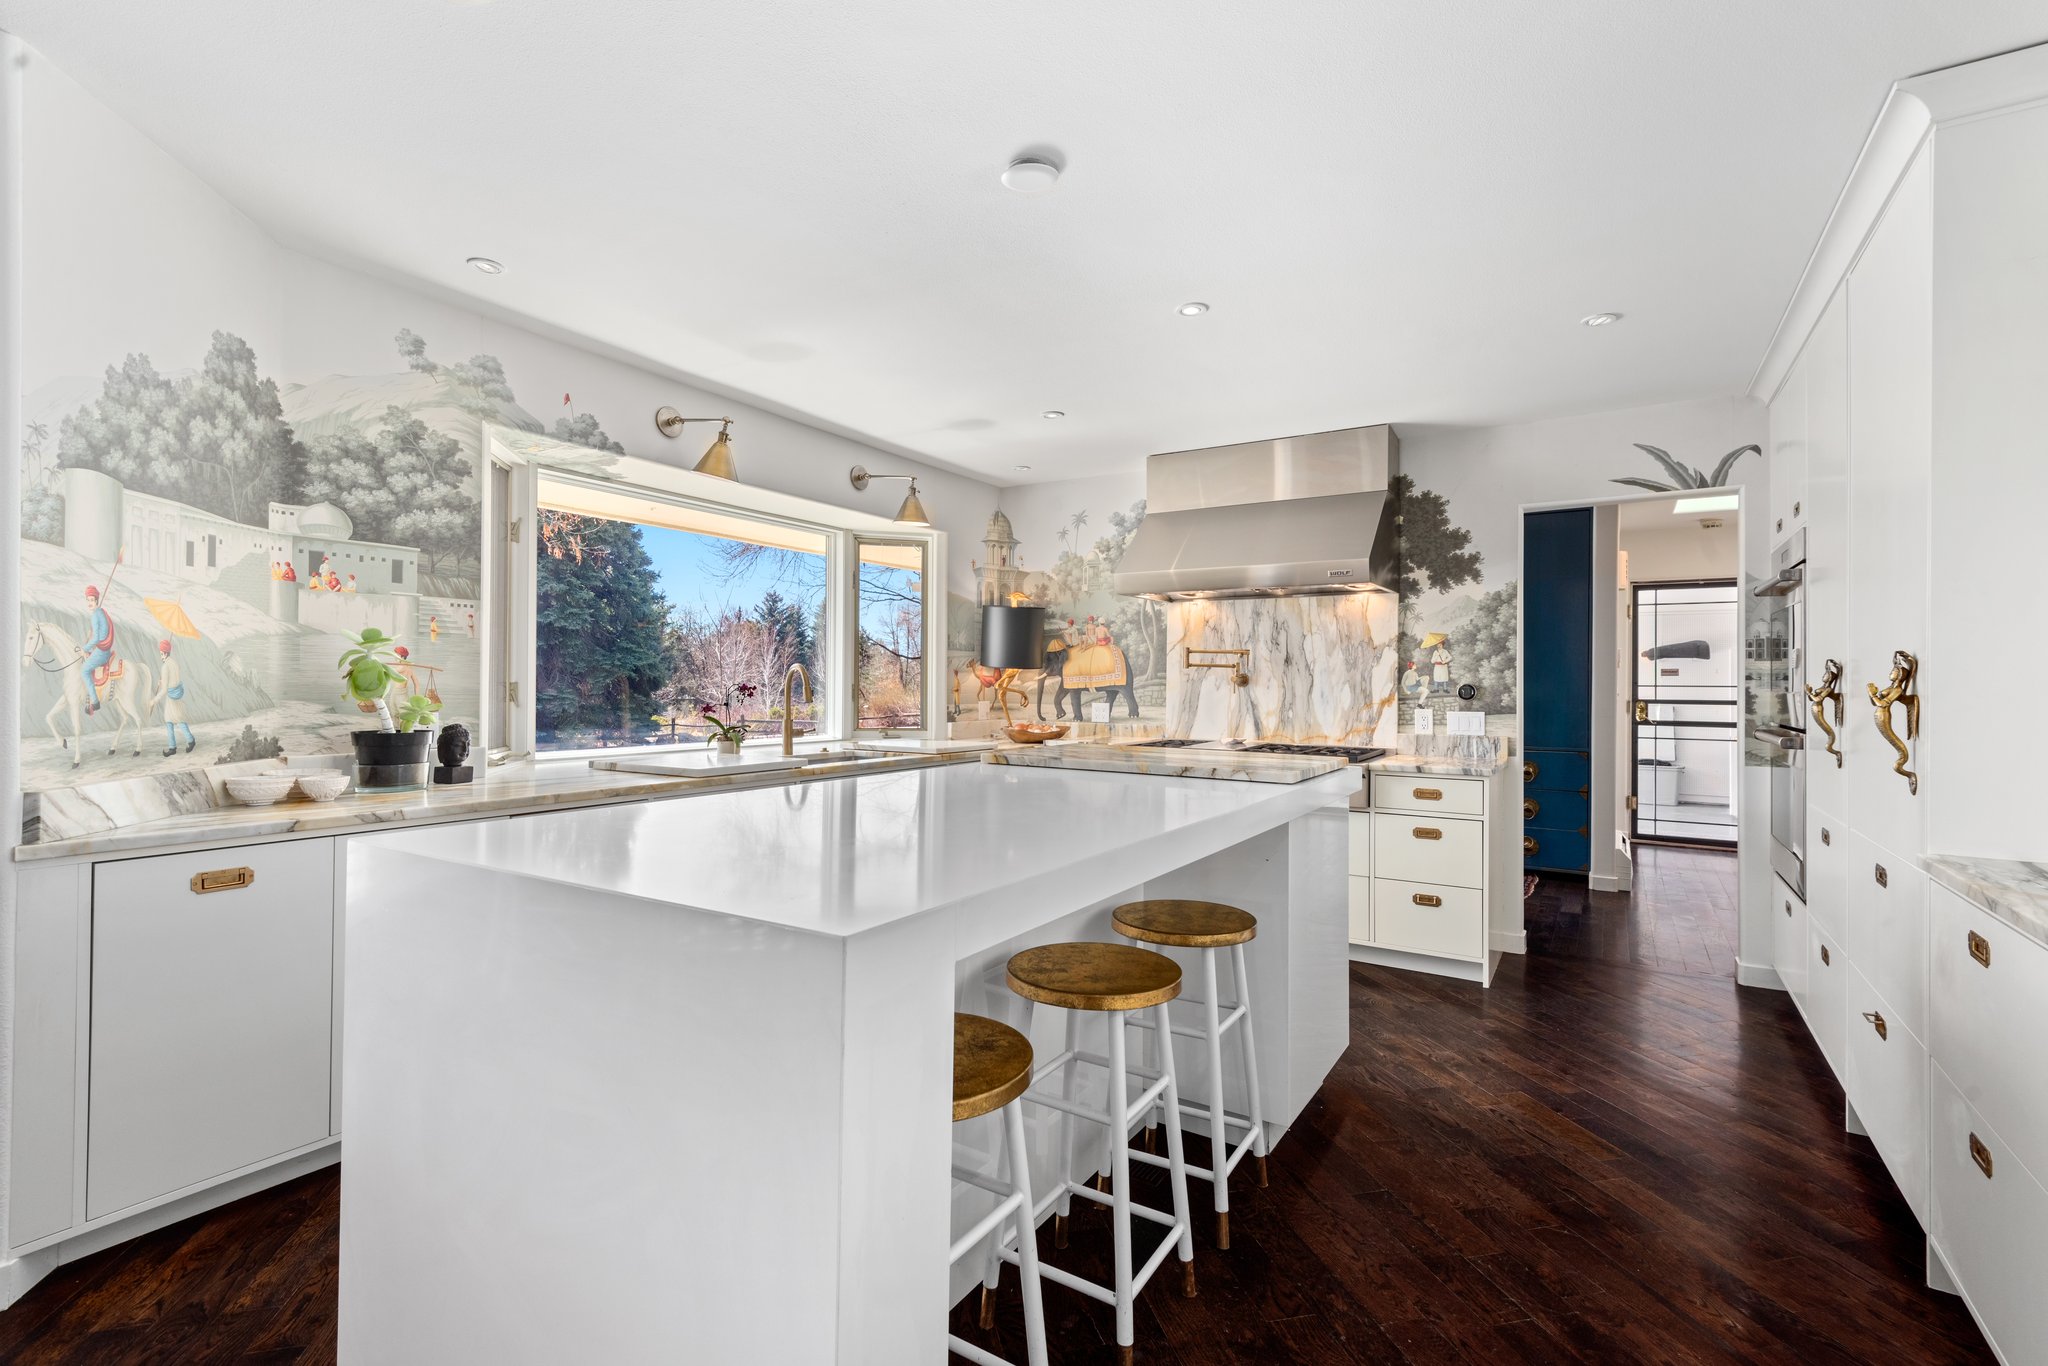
(1118, 981)
(1212, 928)
(991, 1069)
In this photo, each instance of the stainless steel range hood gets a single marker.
(1301, 515)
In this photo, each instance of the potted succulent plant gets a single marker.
(726, 733)
(394, 756)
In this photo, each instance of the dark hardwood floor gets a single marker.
(1613, 1155)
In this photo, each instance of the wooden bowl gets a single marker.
(1035, 735)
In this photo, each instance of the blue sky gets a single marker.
(693, 576)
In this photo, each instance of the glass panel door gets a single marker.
(1687, 699)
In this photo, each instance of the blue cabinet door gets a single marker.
(1557, 685)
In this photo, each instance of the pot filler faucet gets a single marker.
(795, 675)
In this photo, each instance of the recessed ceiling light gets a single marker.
(1031, 175)
(1052, 413)
(487, 265)
(1713, 502)
(1193, 310)
(1021, 469)
(1600, 319)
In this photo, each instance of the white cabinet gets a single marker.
(1891, 350)
(1429, 849)
(211, 1021)
(1827, 993)
(1826, 366)
(1361, 910)
(1987, 1220)
(1789, 941)
(1827, 850)
(1430, 796)
(1787, 453)
(1886, 929)
(1431, 918)
(1429, 863)
(1988, 993)
(1887, 1086)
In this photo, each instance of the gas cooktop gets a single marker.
(1357, 754)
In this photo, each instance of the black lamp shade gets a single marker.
(1012, 637)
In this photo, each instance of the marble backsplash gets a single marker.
(1321, 669)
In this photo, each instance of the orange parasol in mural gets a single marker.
(171, 615)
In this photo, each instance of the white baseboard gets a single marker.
(20, 1275)
(1758, 975)
(1508, 941)
(1599, 882)
(1420, 962)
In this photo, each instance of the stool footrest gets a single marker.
(1223, 1026)
(995, 1219)
(1138, 1278)
(977, 1355)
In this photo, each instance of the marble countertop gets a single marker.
(514, 787)
(1440, 765)
(1227, 765)
(845, 857)
(2014, 891)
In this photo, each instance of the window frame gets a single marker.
(510, 574)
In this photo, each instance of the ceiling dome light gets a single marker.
(487, 265)
(1030, 175)
(1051, 413)
(1021, 469)
(1193, 310)
(1600, 319)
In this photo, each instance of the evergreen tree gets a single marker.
(599, 624)
(791, 625)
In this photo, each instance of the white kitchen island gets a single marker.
(669, 1082)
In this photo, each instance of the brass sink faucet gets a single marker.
(795, 675)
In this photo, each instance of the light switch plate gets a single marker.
(1466, 722)
(1425, 721)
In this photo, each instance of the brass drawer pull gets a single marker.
(1825, 837)
(1877, 1023)
(223, 879)
(1427, 899)
(1529, 808)
(1884, 879)
(1824, 959)
(1528, 844)
(1980, 948)
(1429, 794)
(1427, 832)
(1980, 1155)
(1528, 773)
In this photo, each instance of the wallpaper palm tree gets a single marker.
(1684, 476)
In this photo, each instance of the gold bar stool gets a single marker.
(991, 1069)
(1119, 980)
(1211, 927)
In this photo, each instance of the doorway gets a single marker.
(1686, 703)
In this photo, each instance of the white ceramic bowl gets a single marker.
(324, 784)
(260, 789)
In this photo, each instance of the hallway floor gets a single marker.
(1614, 1154)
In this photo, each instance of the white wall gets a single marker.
(1683, 551)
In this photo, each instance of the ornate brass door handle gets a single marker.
(1828, 689)
(1899, 688)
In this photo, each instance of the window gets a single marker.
(212, 551)
(397, 570)
(891, 611)
(634, 595)
(188, 554)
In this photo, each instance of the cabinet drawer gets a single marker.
(1988, 1213)
(1827, 856)
(1827, 993)
(1429, 849)
(1428, 918)
(1887, 1084)
(1988, 1005)
(1789, 941)
(1557, 770)
(1563, 811)
(1361, 910)
(1441, 796)
(212, 1016)
(1565, 851)
(1885, 929)
(1361, 844)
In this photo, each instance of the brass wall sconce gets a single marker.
(1235, 662)
(1899, 688)
(717, 460)
(912, 512)
(1820, 694)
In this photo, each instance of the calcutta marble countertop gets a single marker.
(1168, 763)
(2014, 891)
(1439, 765)
(514, 787)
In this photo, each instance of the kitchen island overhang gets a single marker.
(671, 1081)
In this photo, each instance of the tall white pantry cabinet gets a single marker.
(1909, 432)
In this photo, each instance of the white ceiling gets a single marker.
(1398, 211)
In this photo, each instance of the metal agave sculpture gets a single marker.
(1684, 476)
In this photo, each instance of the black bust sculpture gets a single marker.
(453, 747)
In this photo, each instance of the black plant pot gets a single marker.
(389, 761)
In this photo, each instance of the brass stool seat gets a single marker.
(1086, 976)
(991, 1065)
(1184, 924)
